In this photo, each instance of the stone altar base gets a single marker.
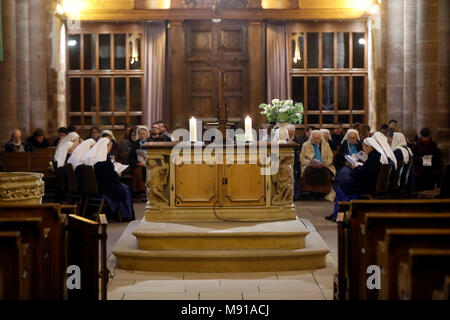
(221, 247)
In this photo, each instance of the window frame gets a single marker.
(350, 27)
(127, 73)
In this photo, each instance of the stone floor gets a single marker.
(287, 285)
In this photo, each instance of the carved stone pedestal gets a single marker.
(21, 188)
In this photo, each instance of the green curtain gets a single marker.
(1, 38)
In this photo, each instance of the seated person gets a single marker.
(427, 162)
(351, 144)
(327, 137)
(65, 149)
(163, 133)
(383, 141)
(364, 131)
(38, 139)
(156, 134)
(115, 192)
(128, 143)
(316, 159)
(403, 153)
(94, 133)
(142, 133)
(116, 152)
(338, 134)
(78, 154)
(15, 144)
(137, 163)
(62, 132)
(362, 179)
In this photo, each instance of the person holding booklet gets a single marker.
(116, 193)
(361, 179)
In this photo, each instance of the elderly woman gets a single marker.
(351, 144)
(115, 192)
(403, 153)
(65, 148)
(316, 159)
(362, 179)
(327, 137)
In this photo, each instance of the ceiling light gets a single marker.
(72, 43)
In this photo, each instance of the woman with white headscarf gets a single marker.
(116, 193)
(383, 142)
(327, 137)
(316, 159)
(400, 148)
(362, 179)
(80, 152)
(350, 145)
(65, 148)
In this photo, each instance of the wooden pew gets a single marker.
(52, 249)
(14, 264)
(32, 232)
(424, 272)
(395, 248)
(350, 218)
(38, 161)
(443, 294)
(55, 239)
(83, 250)
(373, 230)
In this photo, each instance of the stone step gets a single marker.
(130, 257)
(221, 235)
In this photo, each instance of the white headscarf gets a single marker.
(323, 131)
(63, 147)
(350, 131)
(374, 144)
(80, 152)
(71, 137)
(98, 153)
(312, 135)
(61, 153)
(382, 141)
(399, 142)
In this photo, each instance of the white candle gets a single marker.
(248, 129)
(193, 129)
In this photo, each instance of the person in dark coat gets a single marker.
(116, 193)
(15, 144)
(338, 134)
(428, 172)
(62, 132)
(362, 179)
(38, 139)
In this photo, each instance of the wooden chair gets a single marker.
(91, 192)
(423, 273)
(61, 180)
(395, 184)
(383, 183)
(394, 250)
(73, 189)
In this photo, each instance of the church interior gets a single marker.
(224, 150)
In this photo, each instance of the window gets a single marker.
(329, 72)
(105, 76)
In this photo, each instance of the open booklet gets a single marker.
(353, 160)
(119, 168)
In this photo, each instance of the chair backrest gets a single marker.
(72, 183)
(445, 183)
(384, 178)
(61, 177)
(405, 175)
(90, 186)
(396, 177)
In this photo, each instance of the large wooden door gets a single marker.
(215, 50)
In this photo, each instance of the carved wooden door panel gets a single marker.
(243, 185)
(196, 185)
(213, 50)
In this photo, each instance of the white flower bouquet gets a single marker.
(283, 111)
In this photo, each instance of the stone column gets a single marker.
(38, 46)
(444, 68)
(428, 65)
(23, 64)
(8, 80)
(394, 60)
(409, 74)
